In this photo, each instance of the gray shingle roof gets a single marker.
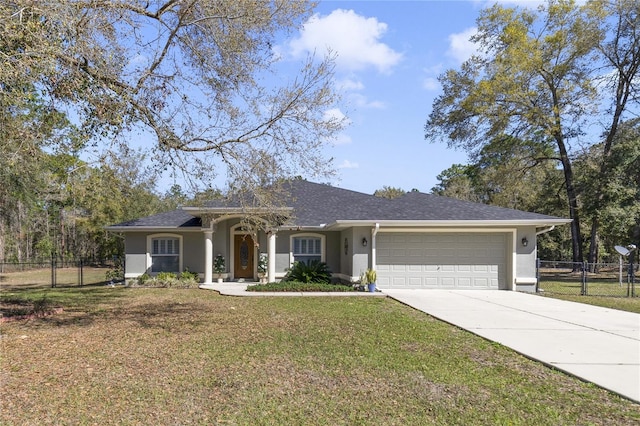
(315, 204)
(172, 219)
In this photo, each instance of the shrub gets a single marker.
(166, 276)
(114, 274)
(41, 306)
(263, 263)
(142, 279)
(313, 272)
(187, 275)
(218, 264)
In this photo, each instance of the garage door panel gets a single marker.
(464, 282)
(442, 260)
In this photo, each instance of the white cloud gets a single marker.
(460, 47)
(346, 164)
(334, 114)
(353, 38)
(362, 101)
(342, 139)
(349, 84)
(430, 83)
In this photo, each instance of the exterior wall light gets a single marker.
(364, 242)
(524, 241)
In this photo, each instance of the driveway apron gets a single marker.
(599, 345)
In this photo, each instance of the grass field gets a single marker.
(168, 356)
(605, 282)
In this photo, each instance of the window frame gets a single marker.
(306, 236)
(164, 236)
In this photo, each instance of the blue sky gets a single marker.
(389, 55)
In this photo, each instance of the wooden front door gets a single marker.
(243, 256)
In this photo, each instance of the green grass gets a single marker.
(630, 304)
(605, 293)
(169, 356)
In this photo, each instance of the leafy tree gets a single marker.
(458, 181)
(620, 52)
(389, 192)
(616, 204)
(537, 77)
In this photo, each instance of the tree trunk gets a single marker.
(593, 248)
(576, 238)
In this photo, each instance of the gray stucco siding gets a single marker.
(193, 252)
(331, 249)
(525, 267)
(137, 251)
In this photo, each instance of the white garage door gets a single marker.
(421, 260)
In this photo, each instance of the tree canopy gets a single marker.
(552, 75)
(200, 76)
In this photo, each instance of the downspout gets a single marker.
(374, 232)
(545, 230)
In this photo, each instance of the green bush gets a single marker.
(185, 279)
(296, 286)
(114, 274)
(313, 272)
(187, 275)
(166, 276)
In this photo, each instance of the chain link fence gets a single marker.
(587, 279)
(59, 273)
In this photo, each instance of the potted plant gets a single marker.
(368, 278)
(219, 267)
(262, 268)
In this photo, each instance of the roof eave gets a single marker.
(449, 223)
(153, 228)
(198, 211)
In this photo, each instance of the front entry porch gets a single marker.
(243, 253)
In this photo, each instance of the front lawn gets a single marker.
(630, 304)
(185, 356)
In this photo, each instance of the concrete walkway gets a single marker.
(596, 344)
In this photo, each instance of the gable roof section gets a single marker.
(315, 205)
(175, 219)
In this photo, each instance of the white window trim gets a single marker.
(307, 235)
(150, 239)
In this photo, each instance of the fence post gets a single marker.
(53, 271)
(80, 272)
(585, 269)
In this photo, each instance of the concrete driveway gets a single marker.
(596, 344)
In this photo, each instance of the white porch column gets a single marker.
(208, 256)
(271, 257)
(374, 243)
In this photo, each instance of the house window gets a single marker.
(165, 254)
(307, 249)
